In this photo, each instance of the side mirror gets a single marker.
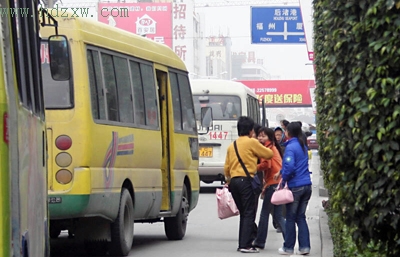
(206, 117)
(59, 58)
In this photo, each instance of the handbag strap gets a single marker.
(280, 185)
(240, 160)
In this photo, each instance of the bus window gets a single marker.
(224, 107)
(138, 92)
(124, 90)
(176, 101)
(188, 119)
(150, 97)
(96, 85)
(110, 86)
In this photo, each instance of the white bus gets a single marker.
(229, 100)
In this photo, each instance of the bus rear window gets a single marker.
(57, 94)
(223, 107)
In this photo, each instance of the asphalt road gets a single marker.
(206, 235)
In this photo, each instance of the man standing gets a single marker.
(249, 150)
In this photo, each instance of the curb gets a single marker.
(325, 233)
(323, 192)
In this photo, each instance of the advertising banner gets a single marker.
(282, 93)
(152, 20)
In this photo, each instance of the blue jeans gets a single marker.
(267, 206)
(296, 214)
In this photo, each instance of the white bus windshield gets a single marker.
(223, 107)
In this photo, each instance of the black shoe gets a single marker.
(259, 247)
(278, 230)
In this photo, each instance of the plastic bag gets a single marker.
(225, 203)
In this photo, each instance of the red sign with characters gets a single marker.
(154, 20)
(282, 92)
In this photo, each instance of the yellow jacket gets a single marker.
(250, 150)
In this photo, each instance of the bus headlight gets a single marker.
(63, 176)
(63, 159)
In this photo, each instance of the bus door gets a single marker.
(162, 84)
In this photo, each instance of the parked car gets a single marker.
(312, 142)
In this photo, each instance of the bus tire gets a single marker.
(175, 227)
(122, 227)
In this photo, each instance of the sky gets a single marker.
(287, 61)
(283, 61)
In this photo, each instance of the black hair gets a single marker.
(257, 128)
(300, 123)
(294, 130)
(245, 125)
(285, 123)
(271, 135)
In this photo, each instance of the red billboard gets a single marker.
(154, 20)
(282, 92)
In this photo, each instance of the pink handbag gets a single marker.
(226, 205)
(282, 195)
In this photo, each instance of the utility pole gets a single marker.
(50, 4)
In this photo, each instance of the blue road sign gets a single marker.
(277, 25)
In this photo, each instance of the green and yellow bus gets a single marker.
(23, 158)
(122, 138)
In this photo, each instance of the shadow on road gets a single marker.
(208, 190)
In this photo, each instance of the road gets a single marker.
(206, 234)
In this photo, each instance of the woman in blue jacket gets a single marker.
(295, 172)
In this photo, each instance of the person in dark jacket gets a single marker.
(297, 175)
(280, 137)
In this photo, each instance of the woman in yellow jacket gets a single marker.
(271, 170)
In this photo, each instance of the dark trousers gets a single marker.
(245, 200)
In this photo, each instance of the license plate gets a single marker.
(206, 151)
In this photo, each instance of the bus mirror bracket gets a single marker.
(59, 58)
(51, 22)
(206, 119)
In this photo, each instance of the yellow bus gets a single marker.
(23, 174)
(122, 138)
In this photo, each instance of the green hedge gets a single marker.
(357, 58)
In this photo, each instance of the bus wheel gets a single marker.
(175, 227)
(122, 228)
(54, 232)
